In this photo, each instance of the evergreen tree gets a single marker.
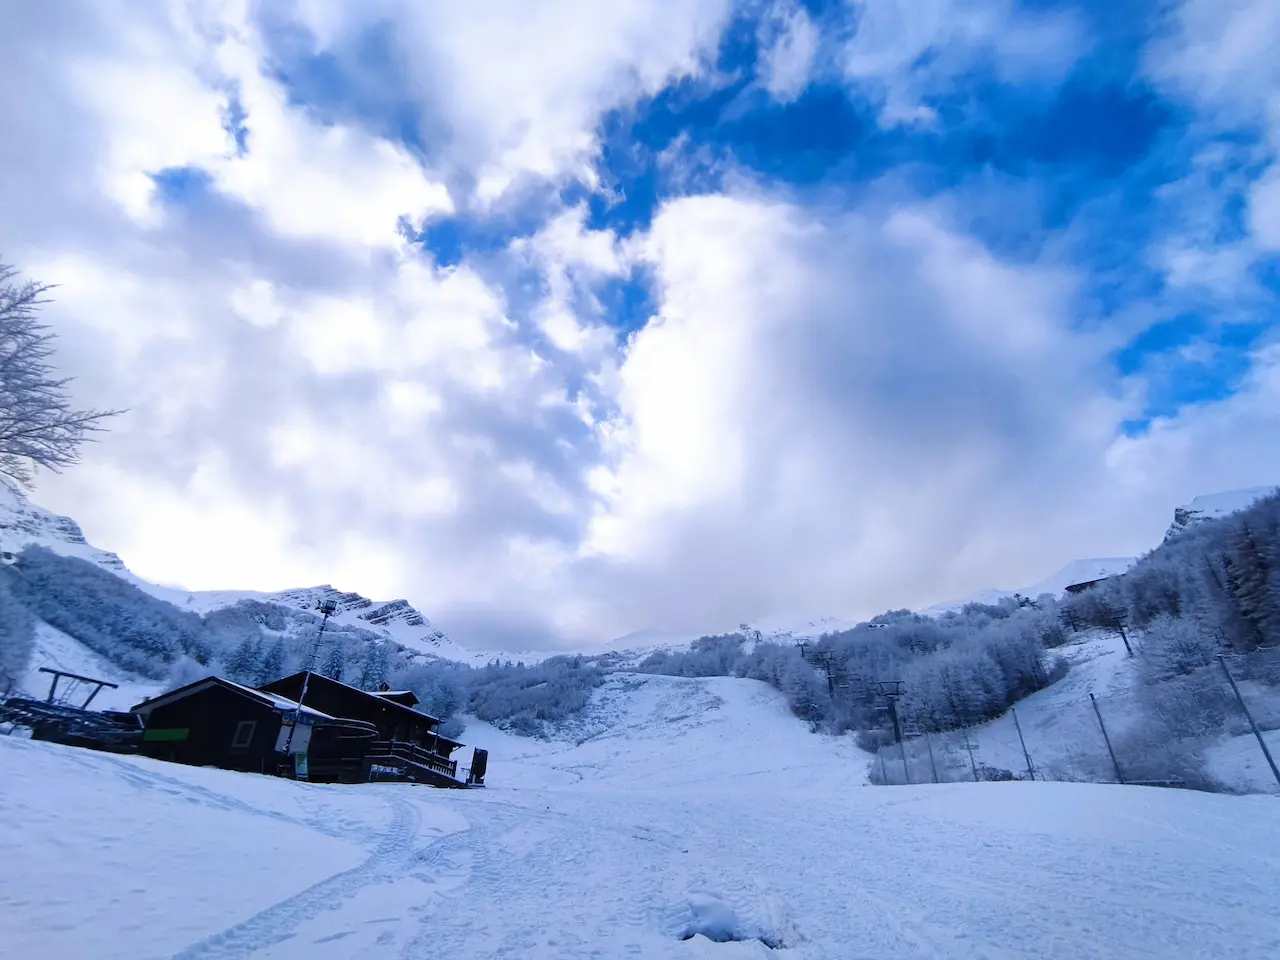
(335, 662)
(375, 666)
(244, 665)
(272, 664)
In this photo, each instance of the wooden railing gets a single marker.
(415, 754)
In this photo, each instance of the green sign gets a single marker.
(161, 734)
(300, 766)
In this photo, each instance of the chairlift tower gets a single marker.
(891, 690)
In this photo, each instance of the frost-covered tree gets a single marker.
(375, 666)
(107, 614)
(17, 634)
(244, 664)
(39, 427)
(335, 661)
(272, 665)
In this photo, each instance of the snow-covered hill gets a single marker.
(1215, 506)
(1077, 571)
(682, 811)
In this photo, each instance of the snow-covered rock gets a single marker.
(22, 524)
(1214, 506)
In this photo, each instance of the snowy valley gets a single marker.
(692, 797)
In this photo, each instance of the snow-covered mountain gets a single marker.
(395, 620)
(1214, 506)
(23, 523)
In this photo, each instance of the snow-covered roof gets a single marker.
(284, 703)
(271, 699)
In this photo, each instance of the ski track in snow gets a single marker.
(670, 807)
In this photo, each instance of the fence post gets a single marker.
(1031, 771)
(1222, 662)
(1115, 763)
(932, 765)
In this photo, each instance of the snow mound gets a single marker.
(708, 916)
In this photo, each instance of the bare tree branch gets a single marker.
(38, 427)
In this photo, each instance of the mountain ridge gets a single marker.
(23, 522)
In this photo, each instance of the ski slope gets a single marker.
(672, 809)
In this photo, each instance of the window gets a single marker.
(244, 734)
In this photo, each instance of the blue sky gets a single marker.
(567, 320)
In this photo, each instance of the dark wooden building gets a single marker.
(1084, 585)
(408, 744)
(214, 722)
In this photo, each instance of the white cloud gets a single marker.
(905, 51)
(520, 87)
(791, 43)
(831, 411)
(162, 94)
(1220, 57)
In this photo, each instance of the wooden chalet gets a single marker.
(408, 746)
(337, 734)
(215, 722)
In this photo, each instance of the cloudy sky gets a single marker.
(565, 319)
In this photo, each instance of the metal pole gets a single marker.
(325, 611)
(968, 746)
(1114, 762)
(1256, 732)
(932, 765)
(1030, 769)
(884, 776)
(906, 774)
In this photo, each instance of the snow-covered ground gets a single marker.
(673, 806)
(1058, 723)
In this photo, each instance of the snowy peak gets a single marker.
(397, 620)
(22, 523)
(1214, 506)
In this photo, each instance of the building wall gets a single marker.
(201, 729)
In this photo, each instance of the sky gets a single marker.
(565, 319)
